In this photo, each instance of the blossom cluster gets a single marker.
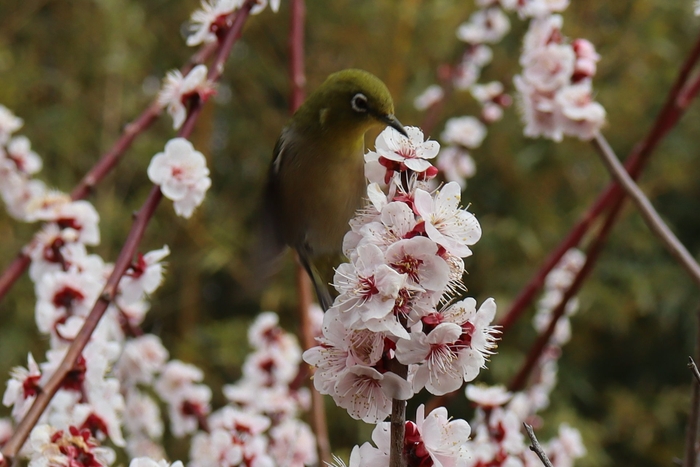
(104, 396)
(494, 437)
(497, 432)
(260, 425)
(555, 87)
(394, 328)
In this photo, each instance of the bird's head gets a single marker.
(352, 101)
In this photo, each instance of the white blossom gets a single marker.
(466, 131)
(177, 88)
(182, 175)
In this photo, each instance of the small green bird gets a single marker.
(316, 180)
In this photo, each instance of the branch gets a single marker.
(107, 162)
(398, 433)
(646, 209)
(677, 101)
(536, 448)
(591, 256)
(694, 368)
(122, 263)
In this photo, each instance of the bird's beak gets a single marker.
(394, 123)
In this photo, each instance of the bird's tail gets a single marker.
(321, 273)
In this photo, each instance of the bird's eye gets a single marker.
(359, 102)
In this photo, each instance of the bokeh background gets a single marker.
(77, 71)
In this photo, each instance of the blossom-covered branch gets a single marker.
(187, 191)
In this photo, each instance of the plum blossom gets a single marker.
(292, 444)
(366, 393)
(417, 258)
(142, 415)
(541, 8)
(550, 67)
(147, 462)
(182, 175)
(61, 295)
(9, 123)
(555, 89)
(450, 347)
(429, 97)
(144, 276)
(20, 152)
(444, 439)
(484, 26)
(70, 447)
(466, 131)
(432, 440)
(141, 359)
(488, 396)
(369, 289)
(209, 19)
(582, 116)
(412, 152)
(456, 165)
(22, 388)
(177, 89)
(445, 223)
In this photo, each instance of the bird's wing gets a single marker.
(268, 241)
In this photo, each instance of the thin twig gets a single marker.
(646, 209)
(122, 263)
(398, 433)
(677, 101)
(691, 435)
(536, 448)
(693, 368)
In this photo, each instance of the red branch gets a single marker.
(540, 344)
(126, 255)
(676, 103)
(297, 80)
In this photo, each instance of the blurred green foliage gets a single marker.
(76, 72)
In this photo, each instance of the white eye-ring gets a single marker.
(359, 102)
